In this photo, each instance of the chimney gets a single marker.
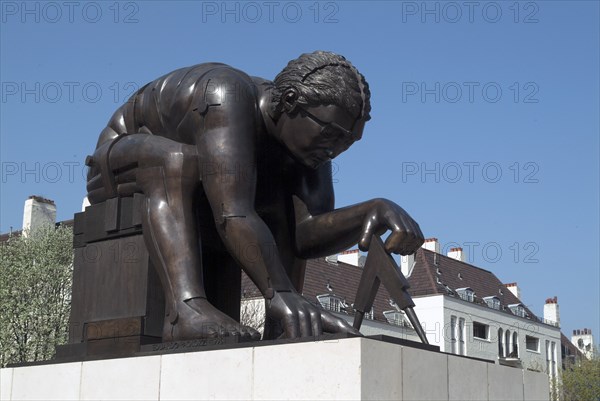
(407, 264)
(551, 310)
(431, 244)
(38, 212)
(352, 257)
(457, 253)
(514, 288)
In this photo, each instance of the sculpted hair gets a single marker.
(323, 78)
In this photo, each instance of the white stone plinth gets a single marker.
(346, 369)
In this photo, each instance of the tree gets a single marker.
(581, 380)
(35, 293)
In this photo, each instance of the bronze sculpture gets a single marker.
(258, 153)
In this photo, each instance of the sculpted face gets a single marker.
(315, 135)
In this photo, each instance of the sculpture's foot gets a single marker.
(199, 319)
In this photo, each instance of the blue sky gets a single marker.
(485, 115)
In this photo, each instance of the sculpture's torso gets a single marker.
(174, 105)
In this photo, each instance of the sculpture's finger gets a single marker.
(393, 243)
(415, 237)
(317, 324)
(291, 326)
(367, 232)
(332, 324)
(409, 242)
(407, 245)
(305, 323)
(419, 234)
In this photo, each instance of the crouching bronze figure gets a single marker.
(214, 150)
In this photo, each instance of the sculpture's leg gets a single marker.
(167, 173)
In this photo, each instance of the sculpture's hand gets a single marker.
(300, 318)
(406, 236)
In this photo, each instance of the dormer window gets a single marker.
(395, 317)
(332, 302)
(492, 302)
(517, 309)
(466, 294)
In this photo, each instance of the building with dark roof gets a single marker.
(464, 309)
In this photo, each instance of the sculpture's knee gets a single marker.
(178, 161)
(167, 166)
(101, 183)
(181, 163)
(141, 163)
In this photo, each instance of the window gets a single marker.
(500, 343)
(480, 330)
(517, 309)
(532, 343)
(551, 357)
(548, 357)
(462, 345)
(515, 346)
(370, 314)
(553, 371)
(466, 294)
(332, 259)
(395, 317)
(331, 302)
(453, 342)
(492, 302)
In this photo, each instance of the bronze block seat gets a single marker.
(117, 301)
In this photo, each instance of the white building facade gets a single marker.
(461, 327)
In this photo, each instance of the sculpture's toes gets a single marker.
(244, 332)
(217, 330)
(199, 319)
(248, 333)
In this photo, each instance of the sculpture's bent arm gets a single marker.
(228, 161)
(322, 230)
(332, 232)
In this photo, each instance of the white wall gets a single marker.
(430, 311)
(436, 311)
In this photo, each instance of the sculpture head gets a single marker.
(320, 103)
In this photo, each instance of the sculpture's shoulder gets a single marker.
(197, 78)
(172, 102)
(212, 83)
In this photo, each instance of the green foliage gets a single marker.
(581, 380)
(35, 290)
